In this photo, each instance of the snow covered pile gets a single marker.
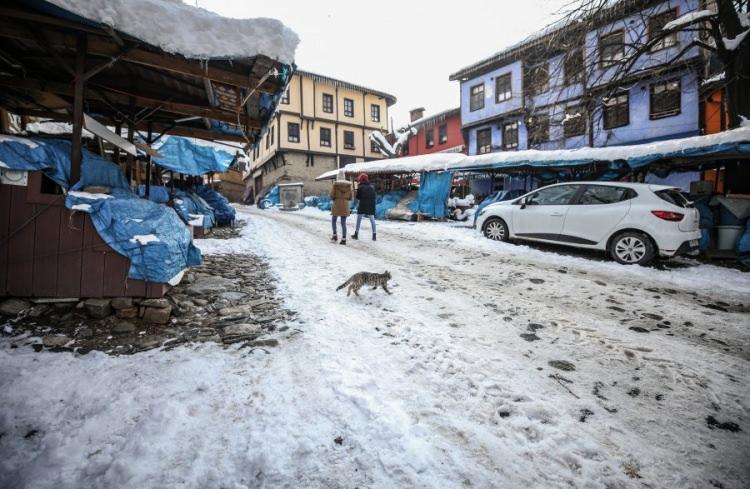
(467, 201)
(687, 19)
(192, 32)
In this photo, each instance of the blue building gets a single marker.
(582, 84)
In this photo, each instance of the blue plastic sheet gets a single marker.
(324, 202)
(743, 245)
(152, 236)
(183, 155)
(223, 212)
(191, 208)
(156, 193)
(434, 190)
(387, 201)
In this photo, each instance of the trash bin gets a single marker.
(728, 236)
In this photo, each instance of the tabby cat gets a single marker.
(359, 280)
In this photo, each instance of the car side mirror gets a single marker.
(522, 203)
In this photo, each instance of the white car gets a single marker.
(633, 222)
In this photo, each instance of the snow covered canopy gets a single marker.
(728, 144)
(158, 65)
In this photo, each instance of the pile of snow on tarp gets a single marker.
(152, 236)
(193, 209)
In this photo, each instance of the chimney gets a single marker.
(415, 114)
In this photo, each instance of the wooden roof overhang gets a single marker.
(58, 67)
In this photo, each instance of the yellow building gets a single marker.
(322, 124)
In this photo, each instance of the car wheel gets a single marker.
(495, 229)
(632, 248)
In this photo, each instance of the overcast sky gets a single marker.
(407, 48)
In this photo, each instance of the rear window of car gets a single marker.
(674, 197)
(605, 194)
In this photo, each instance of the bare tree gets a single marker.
(719, 31)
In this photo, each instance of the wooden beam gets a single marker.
(123, 98)
(78, 98)
(104, 46)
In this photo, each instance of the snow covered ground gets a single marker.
(491, 365)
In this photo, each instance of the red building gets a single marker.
(439, 133)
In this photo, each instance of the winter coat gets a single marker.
(341, 194)
(366, 198)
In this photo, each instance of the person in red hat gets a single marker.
(366, 208)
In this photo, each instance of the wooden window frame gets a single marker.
(443, 134)
(475, 101)
(573, 67)
(578, 126)
(327, 108)
(346, 144)
(349, 111)
(429, 137)
(487, 146)
(614, 107)
(606, 63)
(375, 112)
(507, 93)
(507, 146)
(533, 83)
(323, 142)
(651, 96)
(655, 28)
(289, 137)
(285, 97)
(538, 133)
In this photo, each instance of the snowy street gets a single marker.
(491, 365)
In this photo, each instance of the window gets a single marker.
(476, 100)
(443, 134)
(510, 136)
(429, 138)
(271, 131)
(616, 111)
(325, 137)
(348, 140)
(574, 123)
(611, 49)
(538, 129)
(292, 129)
(655, 33)
(484, 141)
(503, 89)
(560, 195)
(665, 99)
(328, 103)
(537, 79)
(348, 107)
(374, 147)
(604, 194)
(285, 97)
(375, 112)
(573, 67)
(674, 197)
(268, 139)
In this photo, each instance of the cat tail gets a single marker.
(344, 284)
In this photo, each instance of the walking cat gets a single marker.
(359, 280)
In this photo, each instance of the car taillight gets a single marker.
(668, 215)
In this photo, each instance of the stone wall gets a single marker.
(298, 170)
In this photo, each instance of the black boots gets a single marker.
(355, 236)
(334, 238)
(343, 241)
(374, 237)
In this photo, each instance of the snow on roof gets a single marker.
(436, 117)
(390, 99)
(688, 18)
(52, 127)
(454, 161)
(193, 32)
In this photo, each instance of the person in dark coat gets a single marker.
(366, 208)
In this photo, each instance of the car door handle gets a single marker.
(556, 214)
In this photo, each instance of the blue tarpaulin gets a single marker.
(152, 236)
(156, 193)
(224, 213)
(434, 190)
(185, 156)
(193, 209)
(387, 201)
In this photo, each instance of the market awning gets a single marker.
(191, 157)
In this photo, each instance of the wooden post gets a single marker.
(148, 163)
(118, 128)
(78, 94)
(131, 132)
